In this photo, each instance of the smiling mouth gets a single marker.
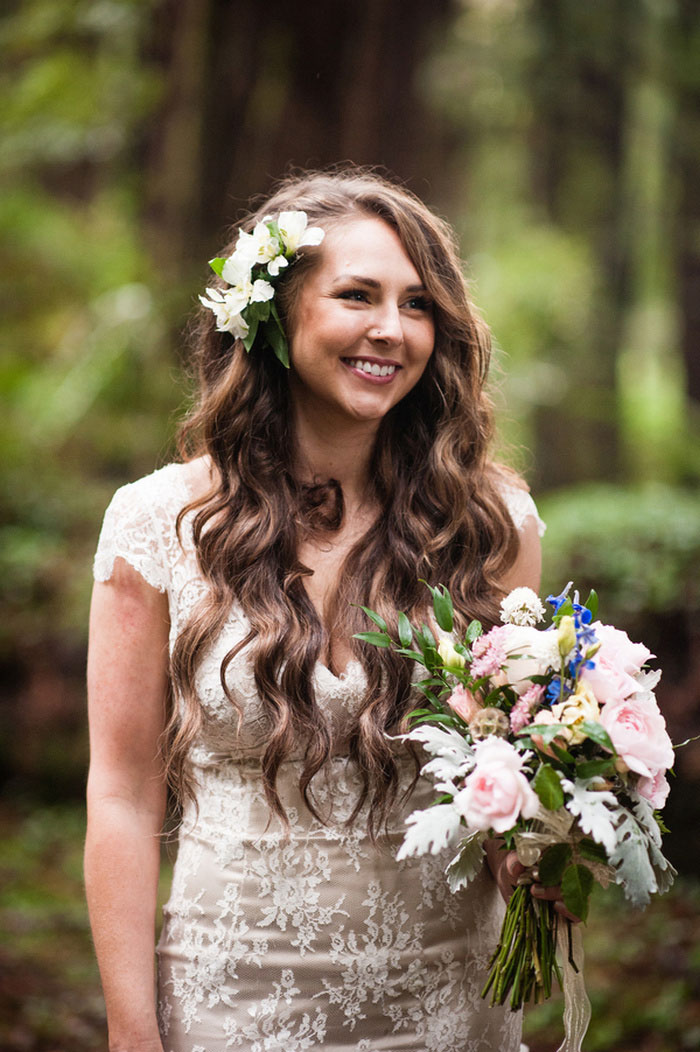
(372, 368)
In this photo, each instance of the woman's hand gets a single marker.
(507, 871)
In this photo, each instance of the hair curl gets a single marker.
(442, 516)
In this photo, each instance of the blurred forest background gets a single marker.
(562, 138)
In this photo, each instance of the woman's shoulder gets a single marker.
(517, 498)
(140, 523)
(168, 488)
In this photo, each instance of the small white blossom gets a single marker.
(276, 264)
(260, 246)
(293, 226)
(227, 310)
(261, 291)
(236, 273)
(522, 606)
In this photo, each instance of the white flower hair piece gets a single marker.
(246, 309)
(522, 606)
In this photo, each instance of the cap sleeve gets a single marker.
(522, 507)
(132, 529)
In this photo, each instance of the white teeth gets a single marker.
(372, 368)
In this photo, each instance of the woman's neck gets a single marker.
(325, 451)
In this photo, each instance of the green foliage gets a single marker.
(548, 787)
(553, 863)
(576, 888)
(86, 371)
(639, 547)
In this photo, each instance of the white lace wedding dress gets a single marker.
(318, 940)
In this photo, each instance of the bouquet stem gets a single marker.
(525, 960)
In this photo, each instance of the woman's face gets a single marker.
(363, 328)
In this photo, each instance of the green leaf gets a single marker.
(278, 341)
(217, 264)
(415, 713)
(546, 731)
(474, 630)
(592, 768)
(377, 639)
(414, 655)
(563, 755)
(249, 338)
(437, 717)
(427, 636)
(261, 311)
(405, 630)
(592, 603)
(379, 621)
(597, 733)
(442, 605)
(553, 863)
(548, 787)
(588, 849)
(576, 886)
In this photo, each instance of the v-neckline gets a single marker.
(353, 664)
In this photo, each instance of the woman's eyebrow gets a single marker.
(371, 283)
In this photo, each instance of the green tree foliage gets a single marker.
(85, 369)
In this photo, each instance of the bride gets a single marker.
(222, 658)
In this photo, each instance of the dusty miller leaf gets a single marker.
(634, 870)
(467, 862)
(430, 830)
(441, 741)
(597, 812)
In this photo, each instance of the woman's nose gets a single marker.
(386, 324)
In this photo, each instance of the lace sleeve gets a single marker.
(132, 530)
(522, 507)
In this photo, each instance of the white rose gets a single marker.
(529, 652)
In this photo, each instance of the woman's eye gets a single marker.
(357, 295)
(419, 303)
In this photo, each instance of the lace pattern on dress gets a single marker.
(318, 940)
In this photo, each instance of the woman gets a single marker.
(232, 582)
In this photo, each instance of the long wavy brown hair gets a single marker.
(442, 517)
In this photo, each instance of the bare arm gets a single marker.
(527, 568)
(127, 690)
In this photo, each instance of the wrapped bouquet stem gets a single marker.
(549, 736)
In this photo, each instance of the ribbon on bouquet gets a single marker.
(577, 1007)
(554, 827)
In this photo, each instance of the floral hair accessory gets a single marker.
(246, 308)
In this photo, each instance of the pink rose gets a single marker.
(655, 789)
(638, 731)
(464, 703)
(497, 792)
(617, 663)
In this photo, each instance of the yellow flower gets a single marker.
(449, 656)
(566, 635)
(575, 709)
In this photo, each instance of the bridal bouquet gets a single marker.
(549, 737)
